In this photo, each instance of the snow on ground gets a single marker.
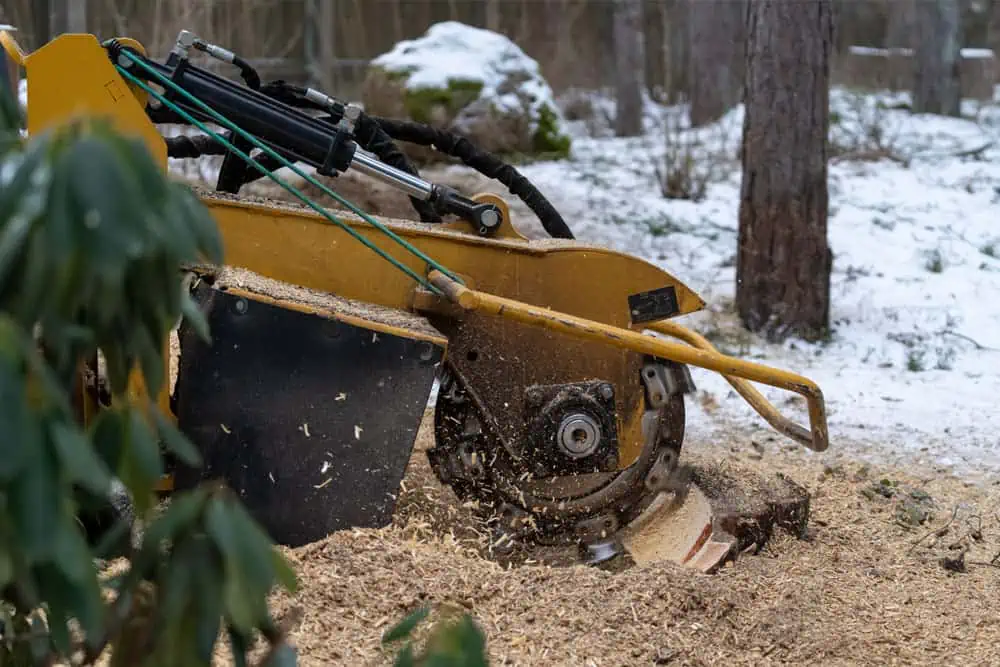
(912, 372)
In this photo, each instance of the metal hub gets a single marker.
(579, 435)
(587, 509)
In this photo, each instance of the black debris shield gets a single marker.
(310, 420)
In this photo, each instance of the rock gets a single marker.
(471, 81)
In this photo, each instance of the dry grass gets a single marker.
(865, 587)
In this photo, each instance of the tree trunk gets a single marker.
(716, 32)
(629, 63)
(938, 40)
(783, 262)
(676, 50)
(993, 29)
(899, 24)
(493, 15)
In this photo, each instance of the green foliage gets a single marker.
(92, 240)
(548, 140)
(454, 642)
(420, 103)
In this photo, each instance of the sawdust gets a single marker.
(243, 279)
(863, 587)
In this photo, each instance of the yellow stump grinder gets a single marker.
(560, 372)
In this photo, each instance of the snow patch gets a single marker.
(968, 53)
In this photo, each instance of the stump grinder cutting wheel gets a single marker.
(561, 372)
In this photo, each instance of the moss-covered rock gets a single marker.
(471, 81)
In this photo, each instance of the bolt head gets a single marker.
(607, 392)
(490, 218)
(242, 306)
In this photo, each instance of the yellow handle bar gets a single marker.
(696, 351)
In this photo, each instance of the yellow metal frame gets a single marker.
(520, 282)
(699, 352)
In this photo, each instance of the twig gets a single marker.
(872, 155)
(977, 344)
(984, 563)
(968, 152)
(936, 531)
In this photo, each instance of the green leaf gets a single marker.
(21, 432)
(262, 563)
(39, 642)
(34, 505)
(72, 553)
(79, 459)
(283, 571)
(78, 600)
(108, 436)
(21, 203)
(282, 655)
(6, 567)
(175, 441)
(403, 629)
(239, 602)
(238, 646)
(180, 516)
(113, 540)
(142, 466)
(405, 657)
(150, 359)
(209, 603)
(195, 318)
(34, 281)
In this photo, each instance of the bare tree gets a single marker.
(938, 40)
(899, 24)
(783, 262)
(993, 27)
(629, 66)
(716, 31)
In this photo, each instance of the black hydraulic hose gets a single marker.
(378, 134)
(446, 142)
(485, 163)
(247, 73)
(193, 147)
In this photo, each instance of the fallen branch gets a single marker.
(871, 155)
(975, 343)
(968, 152)
(937, 532)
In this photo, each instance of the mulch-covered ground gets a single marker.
(896, 570)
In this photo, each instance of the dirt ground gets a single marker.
(875, 582)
